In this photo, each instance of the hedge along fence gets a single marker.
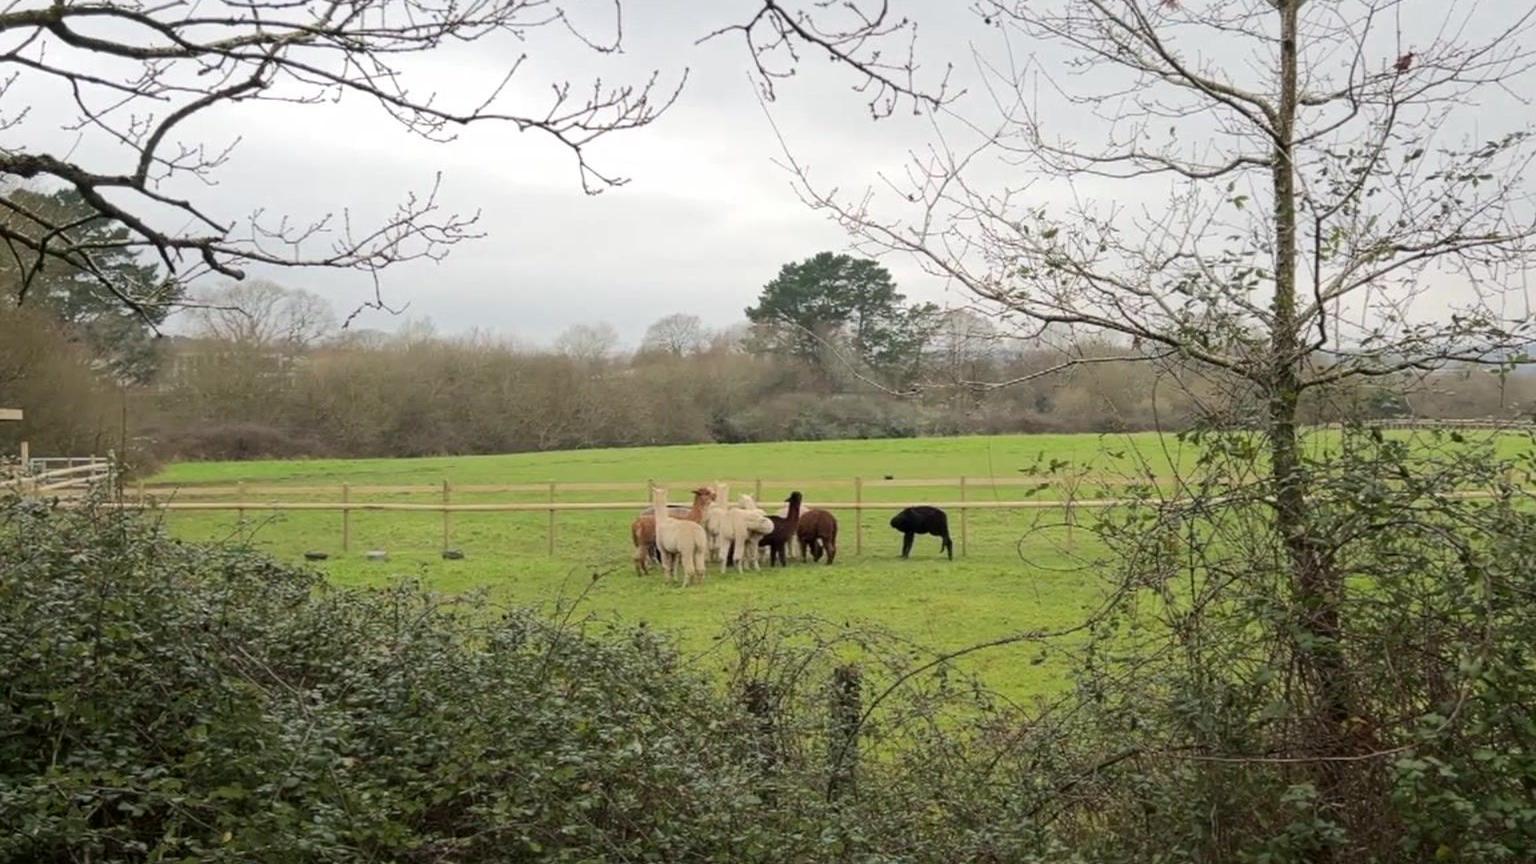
(1068, 495)
(961, 494)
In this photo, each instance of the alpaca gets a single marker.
(682, 541)
(717, 524)
(796, 547)
(642, 531)
(734, 531)
(757, 525)
(784, 531)
(923, 520)
(747, 526)
(817, 534)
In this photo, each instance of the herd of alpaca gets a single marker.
(682, 540)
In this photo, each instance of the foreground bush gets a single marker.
(177, 702)
(166, 701)
(173, 702)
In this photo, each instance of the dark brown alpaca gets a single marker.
(784, 530)
(818, 534)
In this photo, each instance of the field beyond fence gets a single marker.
(540, 529)
(961, 494)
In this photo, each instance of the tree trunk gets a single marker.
(1315, 584)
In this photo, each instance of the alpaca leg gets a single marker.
(739, 546)
(691, 556)
(831, 550)
(642, 559)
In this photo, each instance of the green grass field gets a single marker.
(1021, 570)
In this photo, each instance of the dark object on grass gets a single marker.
(315, 556)
(818, 534)
(923, 520)
(453, 554)
(376, 555)
(784, 528)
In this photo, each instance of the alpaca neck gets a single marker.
(793, 516)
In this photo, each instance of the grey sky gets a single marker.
(707, 217)
(705, 220)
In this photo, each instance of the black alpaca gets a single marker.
(923, 520)
(784, 530)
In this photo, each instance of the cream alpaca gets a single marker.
(681, 541)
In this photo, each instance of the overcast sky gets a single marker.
(704, 221)
(706, 218)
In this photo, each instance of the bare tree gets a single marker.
(678, 334)
(1289, 194)
(588, 342)
(263, 315)
(134, 74)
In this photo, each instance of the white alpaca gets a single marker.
(750, 526)
(730, 527)
(680, 540)
(717, 524)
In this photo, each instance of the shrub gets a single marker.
(170, 701)
(236, 440)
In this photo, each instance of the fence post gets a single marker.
(552, 519)
(757, 492)
(1071, 516)
(858, 515)
(142, 500)
(965, 528)
(846, 711)
(446, 515)
(346, 516)
(240, 509)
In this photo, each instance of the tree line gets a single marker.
(830, 350)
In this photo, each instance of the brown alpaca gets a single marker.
(642, 531)
(817, 534)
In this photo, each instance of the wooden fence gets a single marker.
(74, 474)
(1069, 495)
(1420, 423)
(344, 498)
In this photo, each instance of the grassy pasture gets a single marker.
(1022, 570)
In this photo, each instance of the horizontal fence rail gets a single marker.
(78, 473)
(1077, 495)
(589, 506)
(198, 491)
